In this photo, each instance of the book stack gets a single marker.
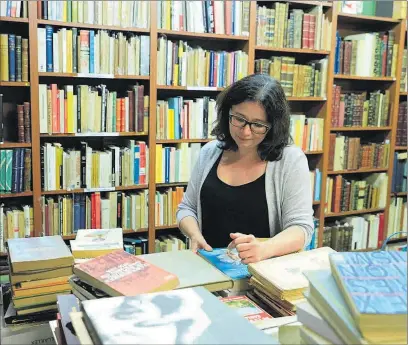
(279, 282)
(361, 300)
(40, 267)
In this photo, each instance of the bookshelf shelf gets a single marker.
(15, 195)
(92, 75)
(361, 78)
(313, 152)
(403, 93)
(312, 3)
(165, 227)
(401, 148)
(359, 129)
(357, 171)
(89, 135)
(177, 141)
(361, 19)
(2, 254)
(350, 213)
(292, 50)
(91, 26)
(14, 20)
(15, 83)
(397, 240)
(189, 88)
(8, 145)
(305, 99)
(93, 190)
(173, 184)
(315, 203)
(399, 194)
(199, 35)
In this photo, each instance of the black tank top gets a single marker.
(227, 209)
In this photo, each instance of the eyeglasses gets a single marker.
(256, 127)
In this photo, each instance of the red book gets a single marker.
(122, 274)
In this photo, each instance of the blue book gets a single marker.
(12, 56)
(219, 258)
(48, 48)
(91, 51)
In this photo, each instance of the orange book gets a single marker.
(122, 274)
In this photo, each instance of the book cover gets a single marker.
(120, 273)
(246, 308)
(38, 253)
(230, 265)
(186, 316)
(372, 282)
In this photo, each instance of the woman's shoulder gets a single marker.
(211, 149)
(291, 155)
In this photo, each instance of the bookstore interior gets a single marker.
(99, 151)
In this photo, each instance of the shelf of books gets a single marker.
(110, 98)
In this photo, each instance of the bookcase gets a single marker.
(316, 105)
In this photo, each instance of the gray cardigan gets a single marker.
(287, 185)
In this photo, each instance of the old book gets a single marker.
(185, 316)
(191, 269)
(38, 253)
(120, 273)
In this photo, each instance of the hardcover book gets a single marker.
(186, 316)
(120, 273)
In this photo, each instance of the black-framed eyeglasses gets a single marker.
(256, 127)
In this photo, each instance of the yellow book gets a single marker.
(4, 55)
(159, 160)
(69, 49)
(170, 124)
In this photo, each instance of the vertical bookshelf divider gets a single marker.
(332, 12)
(400, 33)
(249, 48)
(152, 126)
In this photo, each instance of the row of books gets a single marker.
(180, 118)
(226, 17)
(92, 51)
(13, 58)
(15, 122)
(399, 173)
(167, 243)
(180, 64)
(397, 219)
(344, 195)
(403, 80)
(70, 168)
(367, 54)
(355, 233)
(297, 80)
(15, 170)
(389, 9)
(14, 9)
(315, 182)
(15, 222)
(307, 132)
(349, 153)
(281, 27)
(95, 109)
(136, 245)
(166, 205)
(354, 109)
(175, 164)
(65, 214)
(126, 14)
(401, 139)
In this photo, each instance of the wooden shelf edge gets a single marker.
(359, 129)
(320, 152)
(368, 18)
(3, 254)
(173, 184)
(357, 171)
(176, 141)
(9, 145)
(165, 227)
(292, 50)
(397, 240)
(92, 75)
(90, 135)
(403, 93)
(15, 83)
(399, 194)
(15, 195)
(357, 77)
(13, 19)
(350, 213)
(94, 190)
(91, 26)
(198, 35)
(401, 148)
(305, 99)
(315, 203)
(189, 88)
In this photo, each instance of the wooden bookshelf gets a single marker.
(403, 93)
(401, 148)
(319, 106)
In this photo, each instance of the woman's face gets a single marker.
(241, 131)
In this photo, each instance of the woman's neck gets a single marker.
(247, 155)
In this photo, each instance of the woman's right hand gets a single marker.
(198, 242)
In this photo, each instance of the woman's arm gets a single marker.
(189, 226)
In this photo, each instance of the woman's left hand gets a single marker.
(250, 249)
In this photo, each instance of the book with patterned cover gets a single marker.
(372, 282)
(120, 273)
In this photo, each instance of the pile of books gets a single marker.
(279, 282)
(40, 268)
(362, 299)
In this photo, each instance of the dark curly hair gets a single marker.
(269, 93)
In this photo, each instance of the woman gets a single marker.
(250, 183)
